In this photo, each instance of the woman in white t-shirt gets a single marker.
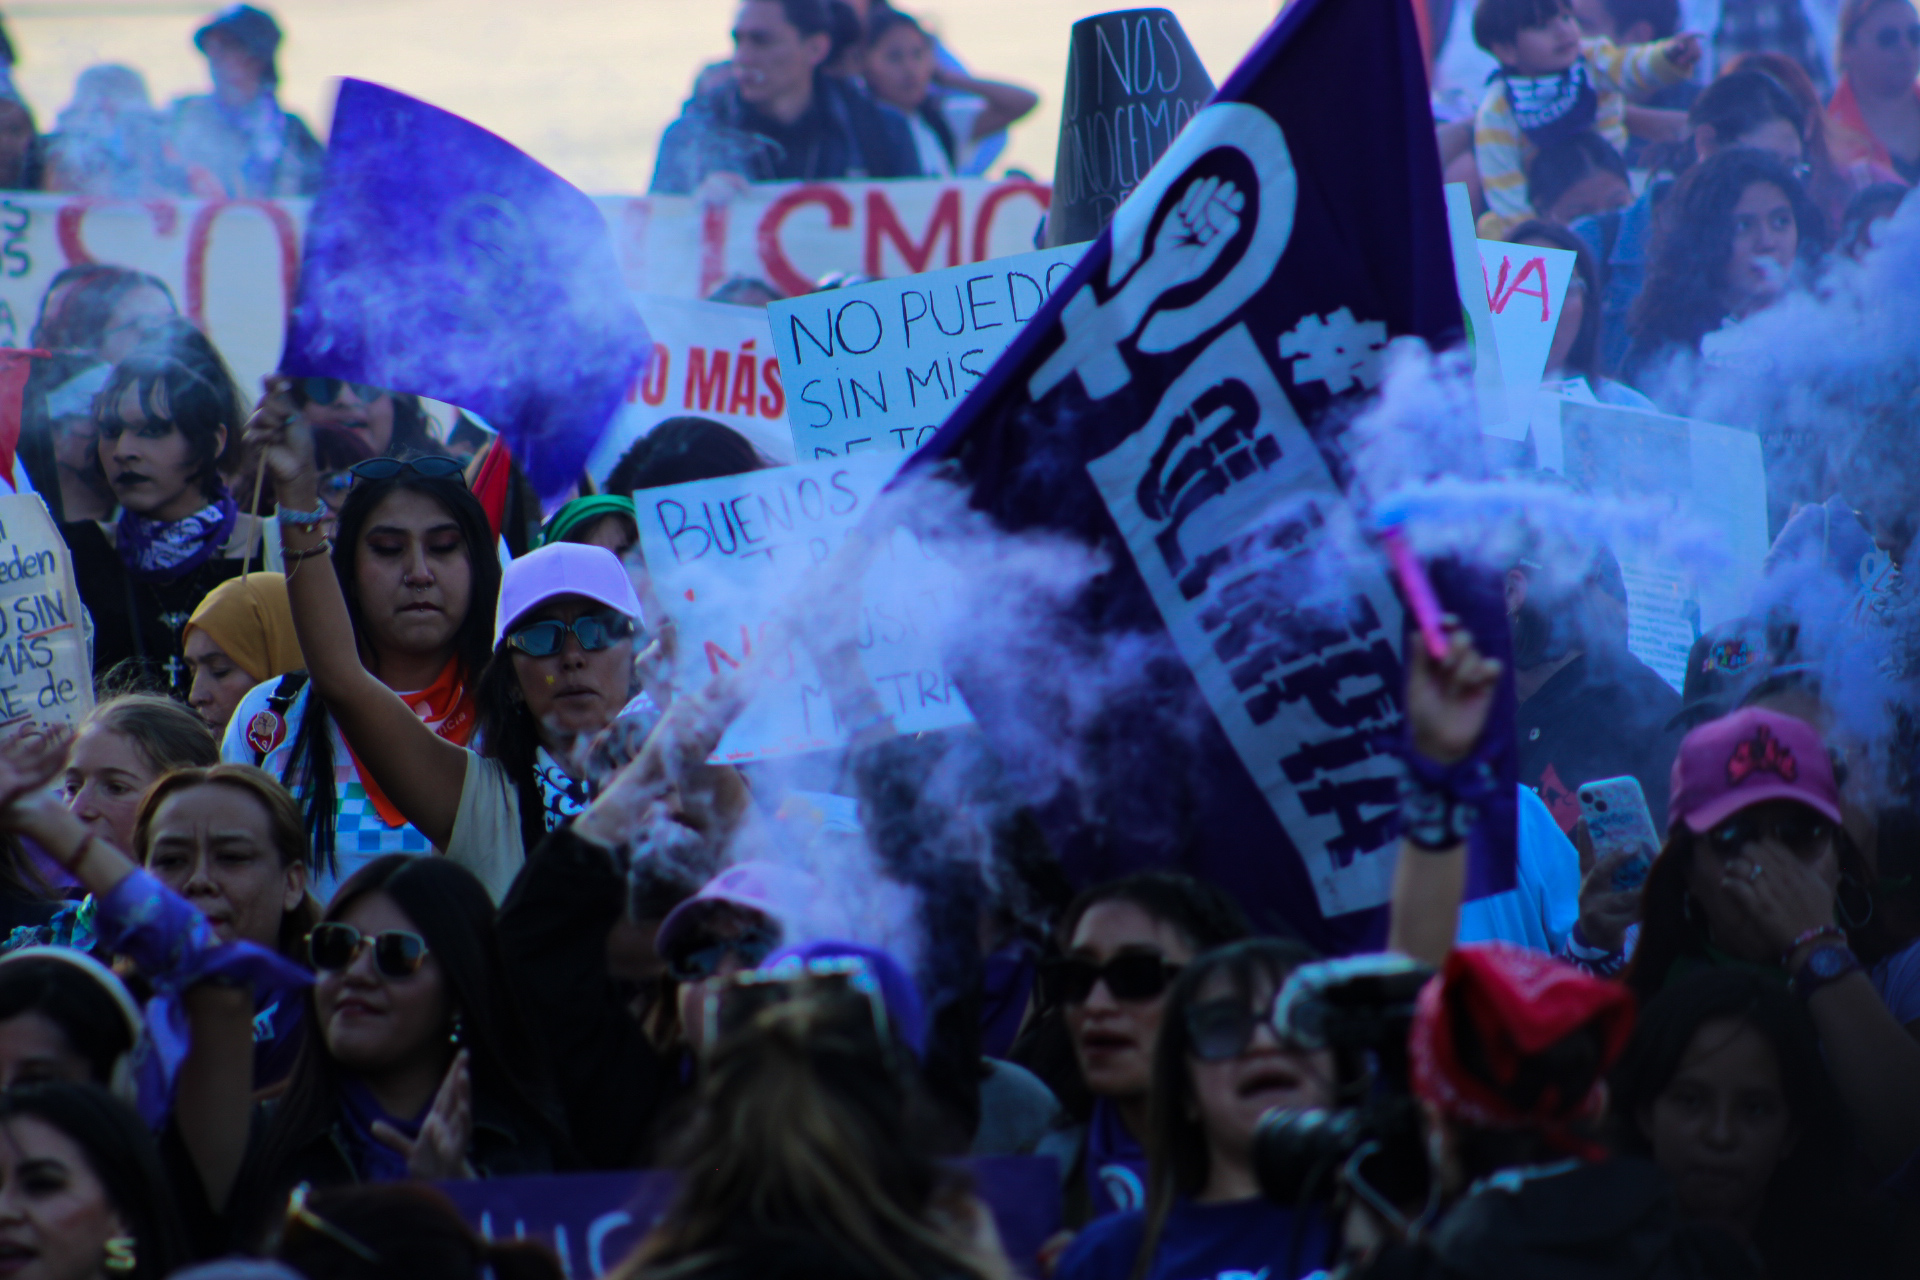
(949, 113)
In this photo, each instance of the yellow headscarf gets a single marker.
(250, 620)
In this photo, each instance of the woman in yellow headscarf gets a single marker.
(240, 635)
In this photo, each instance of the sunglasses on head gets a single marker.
(331, 948)
(595, 632)
(750, 948)
(432, 466)
(1221, 1029)
(1134, 976)
(325, 391)
(1890, 37)
(1803, 833)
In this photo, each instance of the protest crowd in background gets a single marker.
(452, 824)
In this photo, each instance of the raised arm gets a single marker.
(1006, 103)
(1447, 706)
(421, 772)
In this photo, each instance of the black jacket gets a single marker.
(844, 134)
(1609, 1221)
(134, 621)
(1599, 718)
(553, 928)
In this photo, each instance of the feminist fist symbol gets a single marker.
(1186, 247)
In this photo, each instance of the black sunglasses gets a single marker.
(595, 632)
(325, 391)
(433, 466)
(1134, 976)
(1803, 833)
(750, 948)
(1890, 37)
(1222, 1029)
(396, 953)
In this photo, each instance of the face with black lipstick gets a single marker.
(152, 465)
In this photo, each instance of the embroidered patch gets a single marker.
(265, 731)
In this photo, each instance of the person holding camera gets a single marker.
(1219, 1065)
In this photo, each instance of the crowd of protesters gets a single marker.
(407, 865)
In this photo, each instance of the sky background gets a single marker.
(585, 86)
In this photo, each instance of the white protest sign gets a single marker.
(1526, 287)
(877, 367)
(1711, 475)
(710, 360)
(1489, 387)
(46, 674)
(724, 554)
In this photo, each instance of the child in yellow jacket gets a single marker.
(1551, 85)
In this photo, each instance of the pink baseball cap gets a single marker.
(562, 569)
(1751, 756)
(776, 892)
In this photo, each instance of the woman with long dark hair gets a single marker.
(82, 1192)
(413, 559)
(1723, 1087)
(1220, 1065)
(415, 1062)
(561, 670)
(1734, 236)
(1759, 871)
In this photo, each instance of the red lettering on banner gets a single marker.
(716, 655)
(746, 381)
(653, 388)
(707, 381)
(1039, 192)
(883, 221)
(1501, 293)
(73, 215)
(780, 269)
(201, 233)
(773, 401)
(713, 248)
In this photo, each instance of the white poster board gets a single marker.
(878, 367)
(1525, 290)
(724, 555)
(46, 673)
(710, 360)
(1489, 386)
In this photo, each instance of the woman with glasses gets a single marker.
(1124, 943)
(1877, 106)
(1758, 871)
(389, 425)
(413, 557)
(1219, 1065)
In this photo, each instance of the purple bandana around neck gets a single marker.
(162, 550)
(1116, 1164)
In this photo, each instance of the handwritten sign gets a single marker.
(1526, 288)
(1713, 476)
(710, 360)
(1489, 387)
(724, 554)
(878, 367)
(46, 674)
(594, 1220)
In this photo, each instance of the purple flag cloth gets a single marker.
(1178, 403)
(442, 261)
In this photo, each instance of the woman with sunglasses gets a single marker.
(1104, 1002)
(389, 425)
(1219, 1065)
(1876, 109)
(413, 558)
(417, 1063)
(1751, 876)
(169, 420)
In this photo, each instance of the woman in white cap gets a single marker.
(561, 671)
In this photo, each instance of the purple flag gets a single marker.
(1179, 403)
(442, 261)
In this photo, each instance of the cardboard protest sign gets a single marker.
(1489, 384)
(1526, 287)
(46, 673)
(711, 360)
(877, 367)
(1711, 475)
(594, 1220)
(791, 234)
(725, 553)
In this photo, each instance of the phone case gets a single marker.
(1618, 822)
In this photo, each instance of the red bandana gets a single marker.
(448, 709)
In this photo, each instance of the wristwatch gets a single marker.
(1823, 966)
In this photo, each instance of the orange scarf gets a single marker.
(447, 707)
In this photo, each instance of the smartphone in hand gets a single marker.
(1618, 821)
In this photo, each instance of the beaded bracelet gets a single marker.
(1811, 935)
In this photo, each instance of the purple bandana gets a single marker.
(1116, 1164)
(161, 550)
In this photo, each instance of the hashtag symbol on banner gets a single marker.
(1338, 350)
